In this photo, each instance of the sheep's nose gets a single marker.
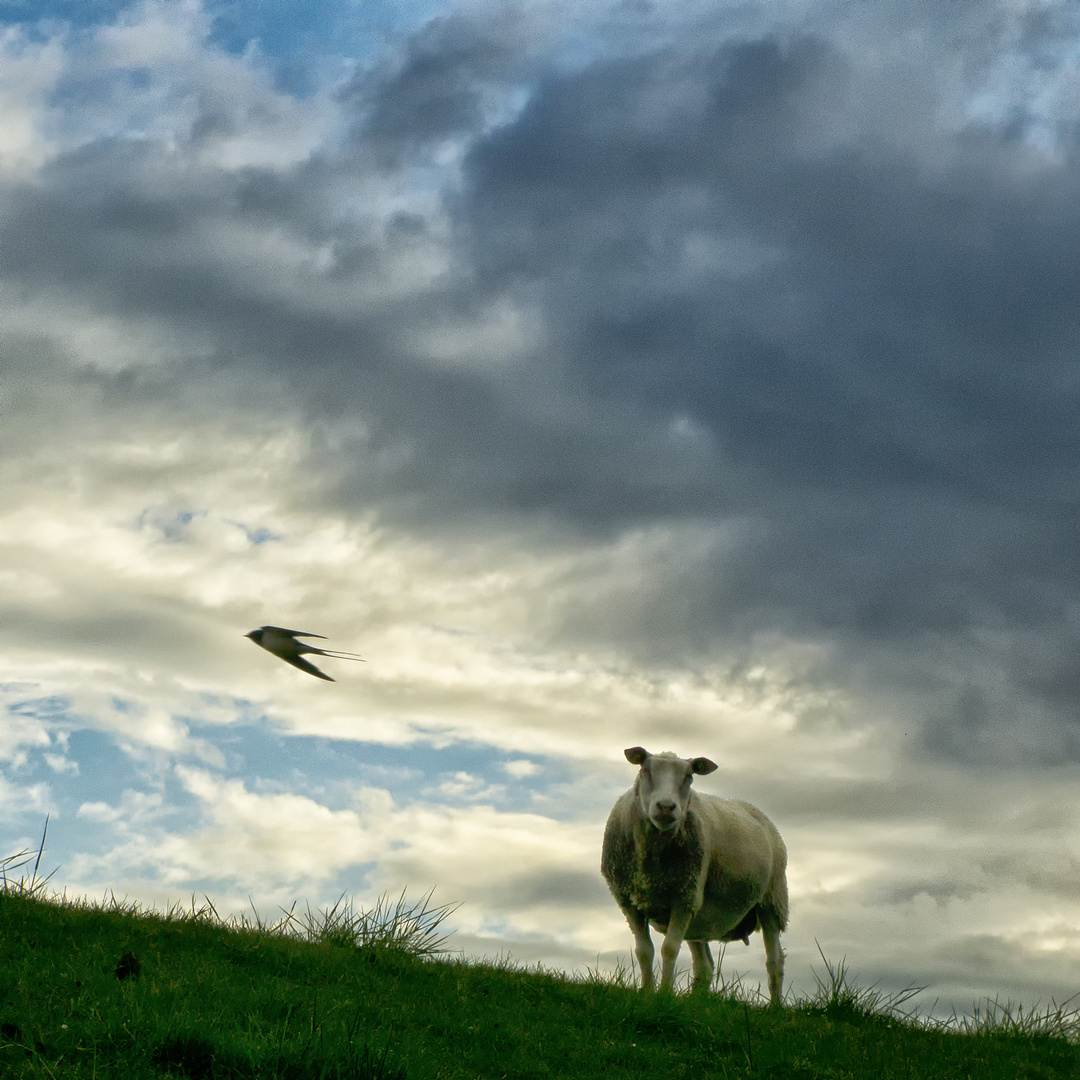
(665, 807)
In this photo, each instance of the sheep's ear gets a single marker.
(637, 754)
(702, 766)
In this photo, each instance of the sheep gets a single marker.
(697, 867)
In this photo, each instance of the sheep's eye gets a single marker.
(687, 779)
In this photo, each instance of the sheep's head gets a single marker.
(663, 784)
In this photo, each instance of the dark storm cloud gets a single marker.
(872, 316)
(119, 226)
(778, 291)
(910, 323)
(440, 87)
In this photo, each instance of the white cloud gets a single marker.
(520, 768)
(19, 798)
(22, 727)
(59, 763)
(134, 813)
(463, 785)
(29, 72)
(154, 75)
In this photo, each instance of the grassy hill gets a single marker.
(105, 991)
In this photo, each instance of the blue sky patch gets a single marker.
(97, 788)
(260, 535)
(330, 770)
(301, 41)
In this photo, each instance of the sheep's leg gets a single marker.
(774, 956)
(703, 964)
(669, 950)
(643, 946)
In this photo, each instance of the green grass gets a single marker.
(105, 990)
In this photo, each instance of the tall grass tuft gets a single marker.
(401, 926)
(837, 995)
(998, 1017)
(35, 885)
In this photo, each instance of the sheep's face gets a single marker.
(663, 785)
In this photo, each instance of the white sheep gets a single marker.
(697, 867)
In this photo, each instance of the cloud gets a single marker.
(694, 378)
(275, 841)
(520, 768)
(463, 785)
(861, 356)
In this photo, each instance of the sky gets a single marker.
(700, 376)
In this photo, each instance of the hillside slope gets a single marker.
(95, 993)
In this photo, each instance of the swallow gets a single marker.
(283, 644)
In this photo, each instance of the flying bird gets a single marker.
(283, 644)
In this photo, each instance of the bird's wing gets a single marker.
(303, 665)
(292, 633)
